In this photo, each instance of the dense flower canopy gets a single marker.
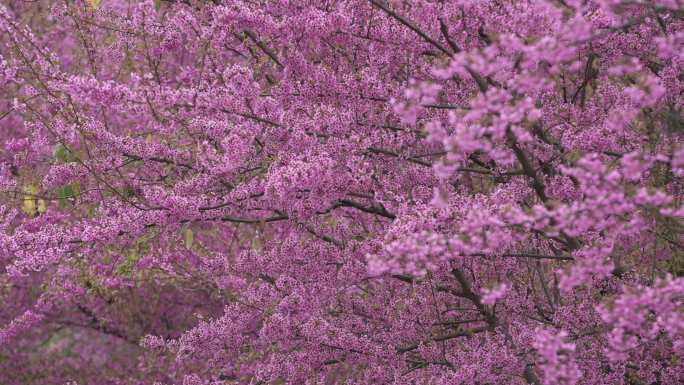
(341, 192)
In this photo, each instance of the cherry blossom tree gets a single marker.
(342, 192)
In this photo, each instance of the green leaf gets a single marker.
(68, 191)
(188, 237)
(157, 5)
(125, 268)
(42, 206)
(61, 195)
(60, 153)
(29, 201)
(65, 192)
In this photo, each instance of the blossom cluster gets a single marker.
(341, 192)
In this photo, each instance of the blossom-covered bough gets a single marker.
(341, 191)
